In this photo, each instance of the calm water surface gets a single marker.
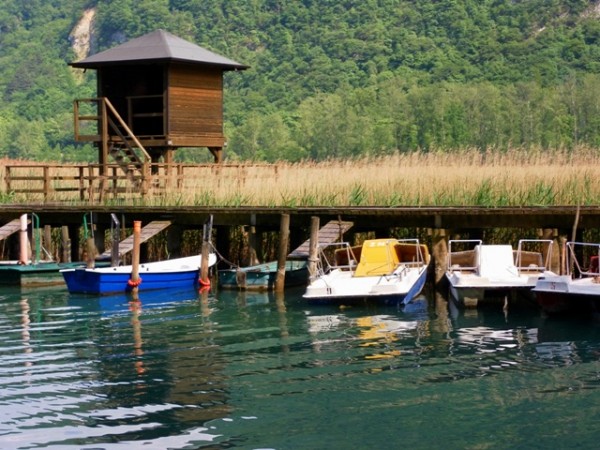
(248, 371)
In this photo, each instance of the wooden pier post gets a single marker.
(284, 235)
(253, 243)
(204, 259)
(90, 253)
(66, 244)
(440, 254)
(23, 240)
(313, 248)
(135, 279)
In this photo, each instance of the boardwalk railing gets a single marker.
(53, 182)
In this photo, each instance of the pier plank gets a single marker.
(331, 232)
(10, 228)
(126, 245)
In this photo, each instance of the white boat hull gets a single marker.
(341, 285)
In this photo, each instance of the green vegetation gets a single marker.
(329, 79)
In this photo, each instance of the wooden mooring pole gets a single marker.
(284, 237)
(204, 259)
(23, 241)
(313, 248)
(66, 244)
(135, 280)
(439, 252)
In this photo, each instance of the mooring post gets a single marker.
(440, 254)
(23, 240)
(253, 242)
(66, 244)
(204, 259)
(313, 247)
(134, 280)
(90, 252)
(284, 236)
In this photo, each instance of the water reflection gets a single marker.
(236, 369)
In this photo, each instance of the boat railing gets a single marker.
(468, 260)
(582, 259)
(337, 255)
(533, 255)
(411, 253)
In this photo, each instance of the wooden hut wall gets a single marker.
(195, 116)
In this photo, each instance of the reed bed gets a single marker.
(468, 178)
(462, 178)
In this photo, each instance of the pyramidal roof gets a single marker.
(157, 46)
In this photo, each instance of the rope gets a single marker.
(222, 258)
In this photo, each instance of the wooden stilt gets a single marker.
(284, 233)
(440, 254)
(253, 242)
(204, 260)
(135, 279)
(66, 244)
(313, 255)
(23, 241)
(90, 252)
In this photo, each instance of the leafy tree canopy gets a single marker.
(329, 78)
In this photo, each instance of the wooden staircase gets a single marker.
(115, 139)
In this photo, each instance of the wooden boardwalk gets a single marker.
(332, 231)
(365, 218)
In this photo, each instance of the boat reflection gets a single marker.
(122, 303)
(382, 331)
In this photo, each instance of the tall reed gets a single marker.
(462, 178)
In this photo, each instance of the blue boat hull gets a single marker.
(83, 281)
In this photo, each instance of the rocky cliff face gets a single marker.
(81, 36)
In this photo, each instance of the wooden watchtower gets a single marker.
(155, 94)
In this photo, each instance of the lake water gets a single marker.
(230, 370)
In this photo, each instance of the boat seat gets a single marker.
(529, 261)
(340, 256)
(496, 261)
(465, 261)
(409, 253)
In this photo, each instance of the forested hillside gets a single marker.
(328, 78)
